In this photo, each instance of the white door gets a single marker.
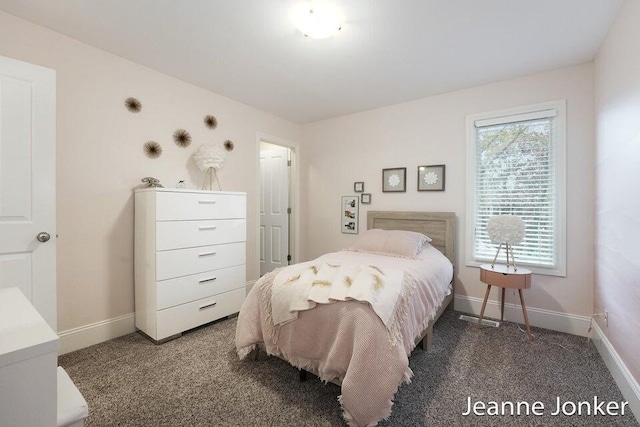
(27, 183)
(274, 205)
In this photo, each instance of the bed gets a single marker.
(346, 342)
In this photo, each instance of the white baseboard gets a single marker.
(547, 319)
(626, 383)
(105, 330)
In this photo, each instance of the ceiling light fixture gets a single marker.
(318, 19)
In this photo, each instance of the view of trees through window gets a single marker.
(515, 175)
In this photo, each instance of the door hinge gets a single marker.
(289, 211)
(289, 258)
(288, 162)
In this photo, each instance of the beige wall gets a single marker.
(100, 160)
(617, 202)
(432, 131)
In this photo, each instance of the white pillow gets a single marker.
(399, 243)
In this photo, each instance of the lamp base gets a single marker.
(212, 177)
(509, 248)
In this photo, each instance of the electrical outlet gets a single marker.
(606, 318)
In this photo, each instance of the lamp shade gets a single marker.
(209, 156)
(506, 229)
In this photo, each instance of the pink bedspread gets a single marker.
(346, 340)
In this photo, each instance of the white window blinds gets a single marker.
(515, 174)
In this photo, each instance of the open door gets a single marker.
(275, 208)
(27, 183)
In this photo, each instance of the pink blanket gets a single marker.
(346, 340)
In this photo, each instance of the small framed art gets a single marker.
(394, 180)
(349, 214)
(431, 178)
(365, 198)
(358, 187)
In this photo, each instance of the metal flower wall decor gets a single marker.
(208, 158)
(182, 138)
(152, 149)
(133, 104)
(210, 121)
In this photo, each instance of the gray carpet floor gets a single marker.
(197, 380)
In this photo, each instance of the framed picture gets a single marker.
(358, 187)
(394, 180)
(431, 178)
(365, 198)
(349, 214)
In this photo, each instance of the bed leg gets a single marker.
(254, 354)
(449, 307)
(425, 343)
(303, 375)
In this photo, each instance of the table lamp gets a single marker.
(507, 230)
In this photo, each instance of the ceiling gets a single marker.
(388, 51)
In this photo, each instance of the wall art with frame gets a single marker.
(394, 180)
(349, 214)
(431, 178)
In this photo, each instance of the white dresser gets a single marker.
(190, 258)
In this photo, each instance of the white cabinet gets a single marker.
(33, 393)
(28, 358)
(190, 258)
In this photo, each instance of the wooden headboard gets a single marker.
(440, 226)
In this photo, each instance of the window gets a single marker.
(516, 164)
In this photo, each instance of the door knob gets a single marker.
(43, 236)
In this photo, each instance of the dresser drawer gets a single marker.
(187, 234)
(511, 280)
(191, 206)
(174, 320)
(177, 291)
(183, 262)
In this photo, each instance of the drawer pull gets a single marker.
(207, 227)
(207, 202)
(206, 253)
(202, 307)
(208, 280)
